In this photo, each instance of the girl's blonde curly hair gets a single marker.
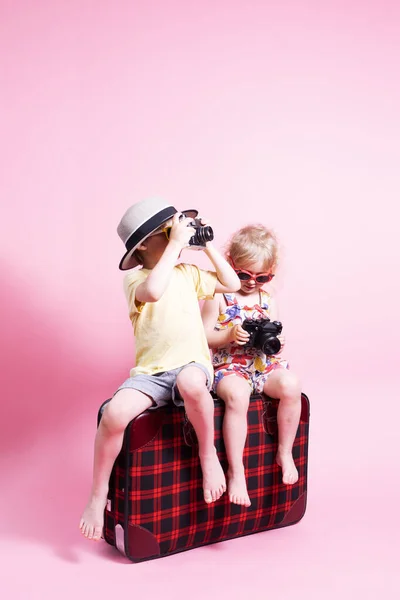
(253, 243)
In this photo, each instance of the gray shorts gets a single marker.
(161, 387)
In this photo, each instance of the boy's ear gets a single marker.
(142, 246)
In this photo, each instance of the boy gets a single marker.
(172, 355)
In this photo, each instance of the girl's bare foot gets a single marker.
(91, 524)
(237, 488)
(289, 471)
(214, 484)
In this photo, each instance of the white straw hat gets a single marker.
(140, 221)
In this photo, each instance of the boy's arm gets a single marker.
(227, 280)
(156, 283)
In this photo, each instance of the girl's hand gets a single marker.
(238, 335)
(180, 232)
(282, 340)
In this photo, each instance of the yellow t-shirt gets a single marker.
(169, 333)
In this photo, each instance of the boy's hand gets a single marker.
(180, 232)
(205, 222)
(238, 335)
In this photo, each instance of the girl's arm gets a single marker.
(273, 315)
(220, 338)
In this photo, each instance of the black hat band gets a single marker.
(149, 226)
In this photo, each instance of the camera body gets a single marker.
(203, 234)
(263, 334)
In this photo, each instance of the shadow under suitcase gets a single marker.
(155, 502)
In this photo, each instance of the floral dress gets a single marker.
(251, 364)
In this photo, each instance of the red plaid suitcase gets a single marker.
(155, 503)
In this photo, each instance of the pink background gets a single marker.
(282, 112)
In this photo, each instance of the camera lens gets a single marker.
(204, 234)
(270, 345)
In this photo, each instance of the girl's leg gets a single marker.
(199, 405)
(285, 385)
(124, 406)
(235, 392)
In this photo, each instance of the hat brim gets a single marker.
(129, 261)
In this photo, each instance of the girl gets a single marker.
(241, 370)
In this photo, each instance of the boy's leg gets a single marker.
(235, 392)
(283, 384)
(199, 405)
(124, 406)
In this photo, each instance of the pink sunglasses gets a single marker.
(247, 275)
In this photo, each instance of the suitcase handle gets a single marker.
(269, 415)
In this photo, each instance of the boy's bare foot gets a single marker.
(289, 471)
(237, 488)
(214, 484)
(91, 524)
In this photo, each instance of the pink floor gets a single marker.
(346, 546)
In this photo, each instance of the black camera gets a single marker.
(203, 233)
(263, 334)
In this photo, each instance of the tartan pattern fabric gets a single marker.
(158, 487)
